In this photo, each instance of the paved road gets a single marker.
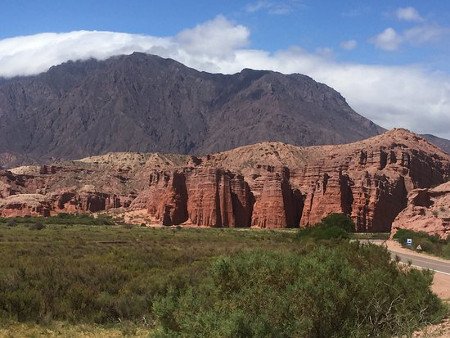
(420, 261)
(423, 262)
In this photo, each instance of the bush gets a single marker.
(349, 290)
(333, 226)
(322, 232)
(339, 220)
(37, 226)
(430, 244)
(11, 223)
(65, 219)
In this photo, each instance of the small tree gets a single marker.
(340, 220)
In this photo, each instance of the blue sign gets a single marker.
(408, 241)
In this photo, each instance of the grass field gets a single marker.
(71, 279)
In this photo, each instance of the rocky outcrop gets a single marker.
(86, 199)
(277, 204)
(25, 205)
(428, 210)
(201, 196)
(267, 185)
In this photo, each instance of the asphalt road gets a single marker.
(423, 262)
(417, 260)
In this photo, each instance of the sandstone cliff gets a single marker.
(268, 185)
(428, 210)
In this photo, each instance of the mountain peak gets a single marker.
(146, 103)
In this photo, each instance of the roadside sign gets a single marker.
(409, 241)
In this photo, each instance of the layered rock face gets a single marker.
(428, 210)
(200, 196)
(267, 185)
(24, 205)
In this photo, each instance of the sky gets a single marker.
(388, 58)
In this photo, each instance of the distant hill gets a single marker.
(146, 103)
(442, 143)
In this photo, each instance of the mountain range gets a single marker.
(145, 103)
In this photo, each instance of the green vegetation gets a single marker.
(349, 290)
(60, 219)
(370, 235)
(430, 244)
(203, 282)
(338, 220)
(333, 227)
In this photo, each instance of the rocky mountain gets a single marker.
(266, 185)
(442, 143)
(145, 103)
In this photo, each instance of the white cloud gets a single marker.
(326, 52)
(391, 40)
(277, 7)
(424, 33)
(388, 40)
(408, 14)
(218, 37)
(349, 44)
(403, 96)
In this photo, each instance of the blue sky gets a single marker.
(388, 58)
(312, 24)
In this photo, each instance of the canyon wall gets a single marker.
(428, 210)
(269, 185)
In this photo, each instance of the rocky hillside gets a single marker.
(145, 103)
(427, 210)
(440, 142)
(268, 185)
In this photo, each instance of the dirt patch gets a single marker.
(441, 286)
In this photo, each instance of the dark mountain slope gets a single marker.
(146, 103)
(442, 143)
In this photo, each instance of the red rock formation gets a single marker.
(267, 185)
(86, 199)
(428, 210)
(277, 205)
(200, 196)
(167, 197)
(24, 205)
(368, 180)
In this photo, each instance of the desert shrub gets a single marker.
(446, 250)
(340, 220)
(64, 219)
(403, 234)
(431, 244)
(322, 232)
(37, 226)
(11, 223)
(348, 290)
(333, 226)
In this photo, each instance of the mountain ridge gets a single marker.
(146, 103)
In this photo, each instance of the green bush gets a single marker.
(63, 219)
(348, 290)
(430, 244)
(322, 232)
(11, 223)
(37, 226)
(333, 226)
(340, 220)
